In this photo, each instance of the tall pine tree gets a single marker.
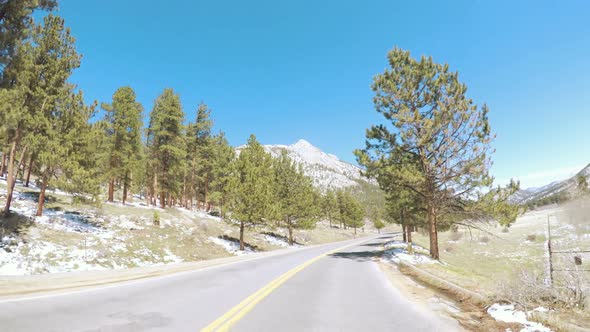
(252, 187)
(124, 119)
(223, 168)
(38, 76)
(435, 142)
(295, 196)
(166, 148)
(200, 158)
(66, 138)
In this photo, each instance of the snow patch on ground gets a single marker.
(231, 246)
(136, 204)
(278, 241)
(397, 252)
(199, 214)
(508, 314)
(40, 256)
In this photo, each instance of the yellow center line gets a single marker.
(236, 313)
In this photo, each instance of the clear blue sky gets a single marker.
(286, 70)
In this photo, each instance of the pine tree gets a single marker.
(222, 170)
(66, 138)
(38, 75)
(124, 119)
(436, 141)
(329, 205)
(200, 157)
(166, 148)
(350, 211)
(582, 184)
(16, 22)
(295, 196)
(16, 25)
(252, 187)
(404, 208)
(377, 222)
(85, 177)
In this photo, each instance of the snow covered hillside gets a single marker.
(326, 170)
(556, 187)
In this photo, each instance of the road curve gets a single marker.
(321, 288)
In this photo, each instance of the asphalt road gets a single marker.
(308, 289)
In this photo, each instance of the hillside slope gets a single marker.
(567, 186)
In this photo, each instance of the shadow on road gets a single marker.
(359, 256)
(373, 244)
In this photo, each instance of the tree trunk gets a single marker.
(111, 197)
(125, 186)
(354, 230)
(21, 169)
(183, 198)
(241, 235)
(290, 226)
(409, 233)
(11, 177)
(31, 162)
(155, 187)
(3, 165)
(42, 195)
(129, 196)
(206, 203)
(404, 231)
(433, 232)
(163, 200)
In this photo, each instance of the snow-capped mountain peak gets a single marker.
(303, 144)
(326, 170)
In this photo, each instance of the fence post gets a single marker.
(549, 271)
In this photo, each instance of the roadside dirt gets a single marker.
(471, 316)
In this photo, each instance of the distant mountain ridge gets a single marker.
(326, 170)
(556, 187)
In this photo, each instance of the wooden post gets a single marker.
(549, 272)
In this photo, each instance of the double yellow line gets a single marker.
(225, 322)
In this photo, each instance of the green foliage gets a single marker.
(222, 169)
(52, 117)
(252, 184)
(251, 187)
(435, 140)
(378, 223)
(582, 184)
(124, 132)
(350, 211)
(295, 196)
(16, 22)
(494, 205)
(556, 198)
(329, 205)
(156, 219)
(201, 149)
(166, 146)
(35, 78)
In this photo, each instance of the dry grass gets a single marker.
(482, 266)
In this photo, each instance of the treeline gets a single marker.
(48, 133)
(556, 198)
